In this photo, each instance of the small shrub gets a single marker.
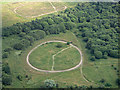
(112, 65)
(102, 80)
(5, 55)
(92, 58)
(19, 77)
(108, 85)
(59, 45)
(68, 43)
(115, 68)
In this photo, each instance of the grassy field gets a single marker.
(23, 9)
(93, 71)
(29, 9)
(67, 59)
(19, 65)
(42, 57)
(100, 69)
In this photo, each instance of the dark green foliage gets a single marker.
(113, 53)
(6, 80)
(8, 49)
(68, 43)
(25, 43)
(6, 74)
(19, 77)
(102, 80)
(6, 68)
(108, 85)
(58, 20)
(50, 21)
(98, 54)
(92, 58)
(49, 83)
(118, 82)
(5, 55)
(97, 23)
(70, 25)
(37, 34)
(18, 46)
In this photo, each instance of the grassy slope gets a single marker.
(34, 8)
(9, 17)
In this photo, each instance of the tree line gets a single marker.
(95, 23)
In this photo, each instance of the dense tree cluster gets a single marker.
(96, 23)
(6, 75)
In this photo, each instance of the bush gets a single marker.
(19, 77)
(118, 82)
(6, 80)
(6, 69)
(59, 45)
(49, 83)
(68, 43)
(18, 46)
(98, 54)
(113, 53)
(108, 85)
(5, 55)
(92, 58)
(115, 68)
(105, 56)
(8, 49)
(102, 80)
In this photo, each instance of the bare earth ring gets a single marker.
(81, 59)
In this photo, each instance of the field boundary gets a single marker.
(81, 59)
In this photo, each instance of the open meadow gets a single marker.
(73, 44)
(19, 66)
(15, 12)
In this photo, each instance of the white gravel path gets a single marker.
(53, 57)
(81, 59)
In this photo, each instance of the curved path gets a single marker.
(15, 11)
(81, 59)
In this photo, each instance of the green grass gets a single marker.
(34, 8)
(18, 65)
(29, 9)
(67, 59)
(100, 69)
(42, 57)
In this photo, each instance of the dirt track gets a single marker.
(53, 71)
(15, 11)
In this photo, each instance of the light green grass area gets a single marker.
(59, 5)
(18, 65)
(42, 57)
(9, 17)
(67, 59)
(29, 9)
